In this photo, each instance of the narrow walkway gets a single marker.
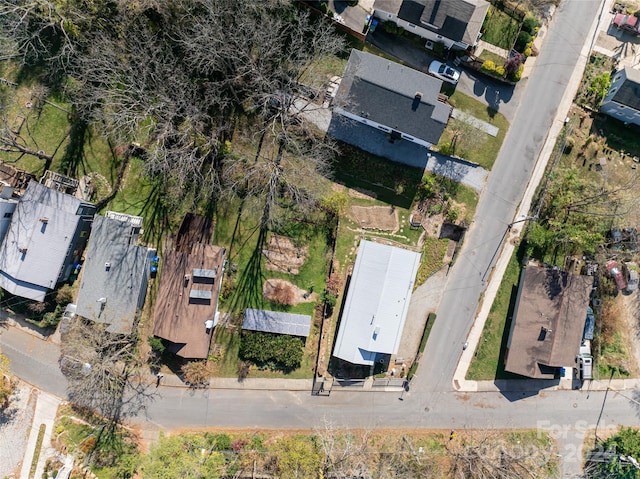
(45, 413)
(482, 45)
(488, 128)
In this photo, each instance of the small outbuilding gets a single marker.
(276, 322)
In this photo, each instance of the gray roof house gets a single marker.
(7, 206)
(46, 237)
(456, 23)
(276, 322)
(115, 274)
(382, 101)
(377, 302)
(623, 100)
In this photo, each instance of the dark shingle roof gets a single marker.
(458, 20)
(548, 321)
(276, 322)
(629, 92)
(385, 92)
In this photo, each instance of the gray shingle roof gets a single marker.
(377, 302)
(115, 271)
(385, 92)
(37, 245)
(629, 92)
(458, 20)
(276, 322)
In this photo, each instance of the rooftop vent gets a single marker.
(44, 220)
(418, 95)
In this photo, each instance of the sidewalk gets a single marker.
(512, 238)
(45, 413)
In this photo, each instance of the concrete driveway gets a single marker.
(496, 95)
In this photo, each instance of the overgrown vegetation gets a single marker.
(7, 383)
(328, 451)
(275, 351)
(615, 456)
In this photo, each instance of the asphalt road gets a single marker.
(503, 192)
(431, 402)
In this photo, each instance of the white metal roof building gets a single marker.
(377, 302)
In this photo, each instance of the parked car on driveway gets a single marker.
(616, 273)
(444, 72)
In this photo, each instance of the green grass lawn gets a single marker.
(487, 55)
(488, 359)
(500, 29)
(474, 145)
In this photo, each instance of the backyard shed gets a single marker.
(276, 322)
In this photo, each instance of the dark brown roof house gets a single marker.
(548, 321)
(191, 274)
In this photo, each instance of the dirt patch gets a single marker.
(274, 289)
(383, 218)
(283, 256)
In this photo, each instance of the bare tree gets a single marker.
(105, 371)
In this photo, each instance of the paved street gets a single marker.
(504, 190)
(431, 401)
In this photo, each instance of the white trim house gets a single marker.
(623, 100)
(456, 23)
(393, 98)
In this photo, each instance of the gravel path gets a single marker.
(15, 424)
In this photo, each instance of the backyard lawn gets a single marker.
(500, 29)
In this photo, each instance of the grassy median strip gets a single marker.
(488, 359)
(423, 343)
(36, 452)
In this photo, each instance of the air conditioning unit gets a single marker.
(429, 45)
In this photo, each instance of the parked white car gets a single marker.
(444, 72)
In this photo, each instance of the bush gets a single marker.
(51, 319)
(517, 76)
(453, 214)
(390, 27)
(279, 351)
(157, 344)
(530, 25)
(521, 42)
(64, 295)
(527, 52)
(488, 66)
(569, 144)
(329, 298)
(500, 71)
(438, 49)
(513, 63)
(196, 372)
